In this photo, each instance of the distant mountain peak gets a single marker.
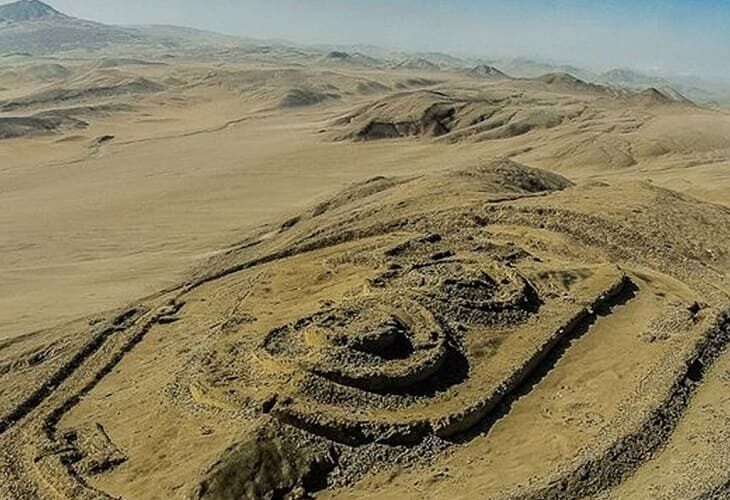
(487, 71)
(665, 95)
(356, 58)
(336, 54)
(561, 77)
(420, 63)
(27, 10)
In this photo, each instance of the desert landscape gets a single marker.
(235, 268)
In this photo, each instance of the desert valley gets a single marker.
(234, 268)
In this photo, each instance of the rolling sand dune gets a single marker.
(259, 271)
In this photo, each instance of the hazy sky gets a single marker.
(690, 36)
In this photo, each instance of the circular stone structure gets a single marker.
(378, 345)
(395, 362)
(472, 292)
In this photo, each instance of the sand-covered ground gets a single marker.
(87, 227)
(360, 283)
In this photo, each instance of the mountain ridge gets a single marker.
(33, 27)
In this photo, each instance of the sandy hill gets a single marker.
(468, 114)
(528, 68)
(381, 335)
(568, 82)
(577, 125)
(447, 115)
